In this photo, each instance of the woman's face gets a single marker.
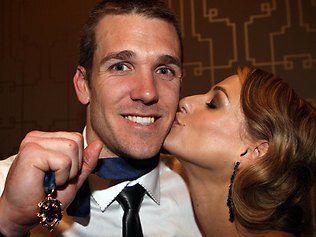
(208, 127)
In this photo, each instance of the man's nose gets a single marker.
(145, 88)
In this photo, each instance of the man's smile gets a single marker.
(140, 119)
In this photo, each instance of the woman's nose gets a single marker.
(188, 104)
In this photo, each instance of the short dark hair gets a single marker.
(148, 8)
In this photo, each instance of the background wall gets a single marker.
(38, 54)
(275, 35)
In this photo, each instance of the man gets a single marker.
(129, 78)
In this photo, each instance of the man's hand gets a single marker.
(60, 152)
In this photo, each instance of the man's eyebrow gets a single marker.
(219, 88)
(121, 55)
(168, 59)
(128, 54)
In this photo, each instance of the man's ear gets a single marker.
(81, 85)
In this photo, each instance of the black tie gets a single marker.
(130, 199)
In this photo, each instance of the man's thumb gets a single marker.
(90, 158)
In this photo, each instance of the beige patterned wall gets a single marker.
(276, 35)
(38, 54)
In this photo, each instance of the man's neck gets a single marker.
(98, 183)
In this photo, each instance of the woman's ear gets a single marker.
(261, 148)
(81, 85)
(253, 152)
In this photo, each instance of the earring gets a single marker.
(230, 202)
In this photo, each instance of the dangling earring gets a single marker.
(230, 202)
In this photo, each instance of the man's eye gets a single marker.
(167, 73)
(119, 67)
(164, 70)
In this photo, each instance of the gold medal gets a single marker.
(50, 212)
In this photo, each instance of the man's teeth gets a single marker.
(141, 120)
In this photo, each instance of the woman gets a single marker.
(248, 147)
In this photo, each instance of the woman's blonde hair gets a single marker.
(267, 194)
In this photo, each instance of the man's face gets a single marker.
(134, 85)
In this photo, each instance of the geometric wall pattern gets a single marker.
(275, 35)
(39, 52)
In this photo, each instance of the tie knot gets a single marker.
(131, 197)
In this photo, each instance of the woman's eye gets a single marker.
(212, 104)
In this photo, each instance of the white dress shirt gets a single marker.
(165, 211)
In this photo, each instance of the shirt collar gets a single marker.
(150, 182)
(84, 134)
